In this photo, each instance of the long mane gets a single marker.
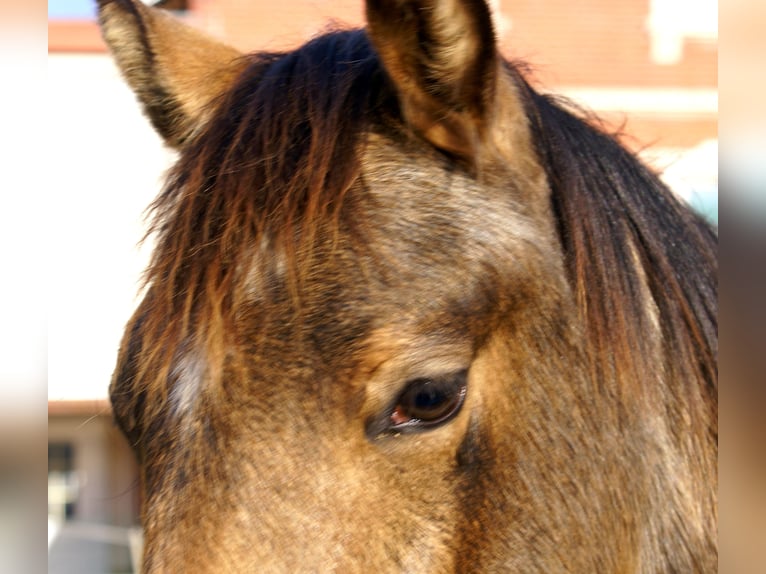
(622, 229)
(270, 169)
(280, 153)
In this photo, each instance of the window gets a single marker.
(62, 481)
(672, 22)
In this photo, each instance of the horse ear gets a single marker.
(175, 70)
(442, 58)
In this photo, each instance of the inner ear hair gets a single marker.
(175, 70)
(442, 58)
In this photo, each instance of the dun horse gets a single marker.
(405, 314)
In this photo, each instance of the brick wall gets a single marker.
(591, 44)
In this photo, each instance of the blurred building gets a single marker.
(647, 67)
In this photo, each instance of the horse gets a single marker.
(405, 313)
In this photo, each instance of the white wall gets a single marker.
(105, 166)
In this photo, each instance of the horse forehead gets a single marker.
(439, 248)
(421, 199)
(422, 244)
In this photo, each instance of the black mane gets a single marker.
(619, 226)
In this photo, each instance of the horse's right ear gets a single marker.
(175, 70)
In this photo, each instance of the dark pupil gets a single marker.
(430, 400)
(429, 397)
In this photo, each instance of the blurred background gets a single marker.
(647, 67)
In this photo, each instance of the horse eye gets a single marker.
(429, 402)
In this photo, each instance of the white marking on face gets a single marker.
(187, 375)
(266, 260)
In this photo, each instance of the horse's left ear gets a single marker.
(442, 58)
(175, 70)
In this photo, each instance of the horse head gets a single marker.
(404, 314)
